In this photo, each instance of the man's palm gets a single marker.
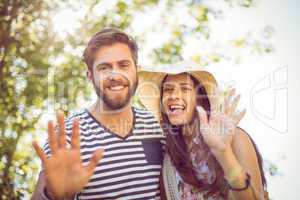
(65, 175)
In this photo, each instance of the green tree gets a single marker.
(25, 44)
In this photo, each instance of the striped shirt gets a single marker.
(130, 167)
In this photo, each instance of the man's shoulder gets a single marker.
(140, 109)
(143, 112)
(77, 114)
(147, 122)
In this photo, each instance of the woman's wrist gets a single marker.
(222, 155)
(234, 175)
(237, 186)
(233, 171)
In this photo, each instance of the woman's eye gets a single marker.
(167, 89)
(186, 88)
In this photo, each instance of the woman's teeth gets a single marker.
(176, 107)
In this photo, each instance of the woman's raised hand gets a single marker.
(218, 130)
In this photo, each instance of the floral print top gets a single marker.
(205, 172)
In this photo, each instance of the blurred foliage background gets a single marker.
(41, 68)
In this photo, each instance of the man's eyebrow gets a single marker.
(125, 60)
(109, 64)
(103, 63)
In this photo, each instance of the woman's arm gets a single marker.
(236, 162)
(231, 146)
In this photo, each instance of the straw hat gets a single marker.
(150, 81)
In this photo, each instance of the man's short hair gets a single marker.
(108, 36)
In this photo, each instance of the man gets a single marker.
(115, 150)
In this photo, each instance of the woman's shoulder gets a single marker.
(244, 147)
(241, 140)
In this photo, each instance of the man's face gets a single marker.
(114, 75)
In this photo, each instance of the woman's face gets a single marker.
(179, 98)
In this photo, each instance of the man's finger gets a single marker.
(62, 131)
(75, 141)
(52, 137)
(39, 152)
(96, 157)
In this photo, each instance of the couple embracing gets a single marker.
(185, 143)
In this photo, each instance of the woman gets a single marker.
(208, 155)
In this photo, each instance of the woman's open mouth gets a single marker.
(176, 109)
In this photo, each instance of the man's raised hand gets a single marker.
(64, 172)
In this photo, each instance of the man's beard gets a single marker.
(113, 103)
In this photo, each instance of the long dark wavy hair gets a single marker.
(177, 149)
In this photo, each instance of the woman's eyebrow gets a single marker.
(167, 84)
(188, 84)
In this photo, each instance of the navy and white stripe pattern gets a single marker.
(130, 167)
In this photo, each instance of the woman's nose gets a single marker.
(176, 93)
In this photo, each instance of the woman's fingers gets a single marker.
(202, 115)
(231, 94)
(215, 101)
(234, 105)
(239, 116)
(75, 141)
(39, 152)
(228, 99)
(62, 131)
(96, 157)
(53, 143)
(204, 123)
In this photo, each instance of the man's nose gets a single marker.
(115, 72)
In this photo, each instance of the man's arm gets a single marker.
(38, 192)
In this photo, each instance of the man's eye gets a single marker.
(102, 68)
(124, 64)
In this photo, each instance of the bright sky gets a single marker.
(268, 84)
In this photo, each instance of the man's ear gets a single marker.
(89, 75)
(139, 67)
